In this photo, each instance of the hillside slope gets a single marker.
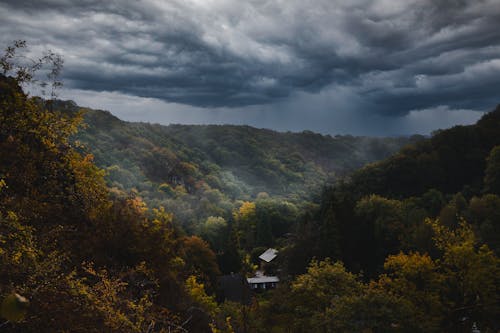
(185, 166)
(452, 160)
(380, 209)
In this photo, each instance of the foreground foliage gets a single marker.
(85, 262)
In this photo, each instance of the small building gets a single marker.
(261, 281)
(269, 255)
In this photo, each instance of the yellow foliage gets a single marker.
(246, 211)
(104, 296)
(197, 292)
(227, 329)
(17, 246)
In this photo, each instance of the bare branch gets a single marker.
(24, 69)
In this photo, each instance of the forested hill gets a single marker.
(239, 159)
(422, 228)
(179, 166)
(452, 160)
(380, 209)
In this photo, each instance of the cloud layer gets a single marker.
(382, 58)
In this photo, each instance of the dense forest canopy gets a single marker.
(198, 172)
(119, 227)
(418, 226)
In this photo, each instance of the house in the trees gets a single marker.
(268, 256)
(261, 281)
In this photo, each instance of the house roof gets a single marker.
(268, 255)
(263, 279)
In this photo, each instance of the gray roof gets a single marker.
(263, 279)
(269, 255)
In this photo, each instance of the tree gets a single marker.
(214, 231)
(329, 236)
(373, 310)
(274, 219)
(492, 172)
(246, 222)
(452, 291)
(83, 262)
(485, 215)
(471, 274)
(415, 278)
(319, 290)
(229, 260)
(205, 309)
(200, 261)
(433, 200)
(384, 221)
(44, 174)
(25, 70)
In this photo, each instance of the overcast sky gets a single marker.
(364, 67)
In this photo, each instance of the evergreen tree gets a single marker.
(492, 172)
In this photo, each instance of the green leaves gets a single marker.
(26, 70)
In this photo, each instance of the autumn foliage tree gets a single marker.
(82, 260)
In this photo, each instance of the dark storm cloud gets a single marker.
(392, 56)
